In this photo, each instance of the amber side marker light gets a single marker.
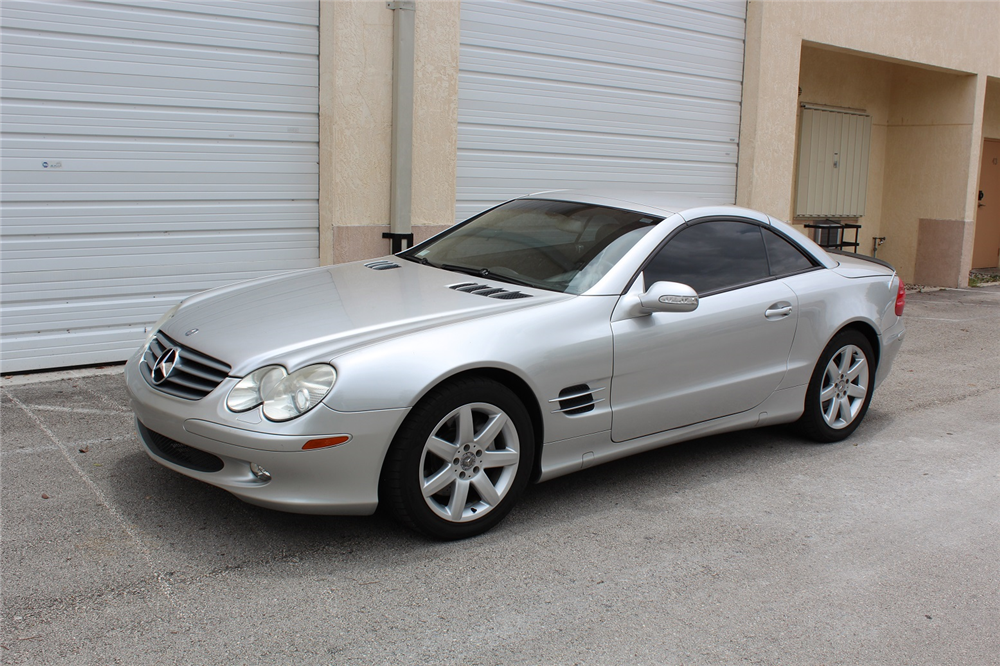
(326, 442)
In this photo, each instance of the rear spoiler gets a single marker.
(853, 255)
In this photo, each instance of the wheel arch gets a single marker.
(811, 422)
(517, 385)
(527, 397)
(867, 330)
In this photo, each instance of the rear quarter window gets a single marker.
(783, 257)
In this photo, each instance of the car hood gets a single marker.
(317, 314)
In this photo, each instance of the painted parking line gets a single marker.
(74, 410)
(954, 321)
(105, 400)
(71, 445)
(102, 499)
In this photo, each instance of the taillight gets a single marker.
(900, 299)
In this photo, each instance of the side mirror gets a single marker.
(667, 297)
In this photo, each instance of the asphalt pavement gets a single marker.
(751, 547)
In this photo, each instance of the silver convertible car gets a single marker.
(546, 335)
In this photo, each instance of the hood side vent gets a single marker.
(381, 265)
(508, 295)
(469, 287)
(488, 291)
(575, 400)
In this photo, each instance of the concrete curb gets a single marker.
(58, 375)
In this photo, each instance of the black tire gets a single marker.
(834, 407)
(433, 449)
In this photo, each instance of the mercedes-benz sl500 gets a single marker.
(546, 335)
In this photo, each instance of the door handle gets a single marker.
(778, 311)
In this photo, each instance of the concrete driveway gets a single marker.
(752, 547)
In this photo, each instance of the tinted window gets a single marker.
(711, 256)
(784, 257)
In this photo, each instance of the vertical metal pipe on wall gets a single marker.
(401, 184)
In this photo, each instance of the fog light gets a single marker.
(261, 473)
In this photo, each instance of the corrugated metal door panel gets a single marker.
(56, 86)
(832, 179)
(108, 281)
(586, 29)
(164, 24)
(306, 13)
(710, 17)
(127, 217)
(152, 149)
(644, 95)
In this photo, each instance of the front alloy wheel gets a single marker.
(460, 460)
(469, 462)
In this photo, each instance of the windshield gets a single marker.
(557, 245)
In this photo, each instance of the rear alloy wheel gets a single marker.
(461, 460)
(840, 389)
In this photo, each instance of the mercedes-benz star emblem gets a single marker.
(165, 365)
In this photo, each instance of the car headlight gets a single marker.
(254, 388)
(156, 327)
(284, 396)
(299, 392)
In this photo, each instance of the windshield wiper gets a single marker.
(487, 273)
(476, 272)
(468, 270)
(513, 280)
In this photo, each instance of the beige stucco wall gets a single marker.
(356, 42)
(932, 131)
(929, 145)
(435, 112)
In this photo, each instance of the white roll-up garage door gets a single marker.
(611, 93)
(151, 149)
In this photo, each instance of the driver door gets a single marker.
(725, 357)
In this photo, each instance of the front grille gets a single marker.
(180, 454)
(194, 374)
(488, 291)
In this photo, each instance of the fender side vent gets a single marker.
(488, 291)
(578, 399)
(381, 265)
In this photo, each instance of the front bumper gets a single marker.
(340, 480)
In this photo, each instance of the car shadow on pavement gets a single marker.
(661, 479)
(201, 528)
(206, 526)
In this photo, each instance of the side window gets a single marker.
(711, 256)
(784, 257)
